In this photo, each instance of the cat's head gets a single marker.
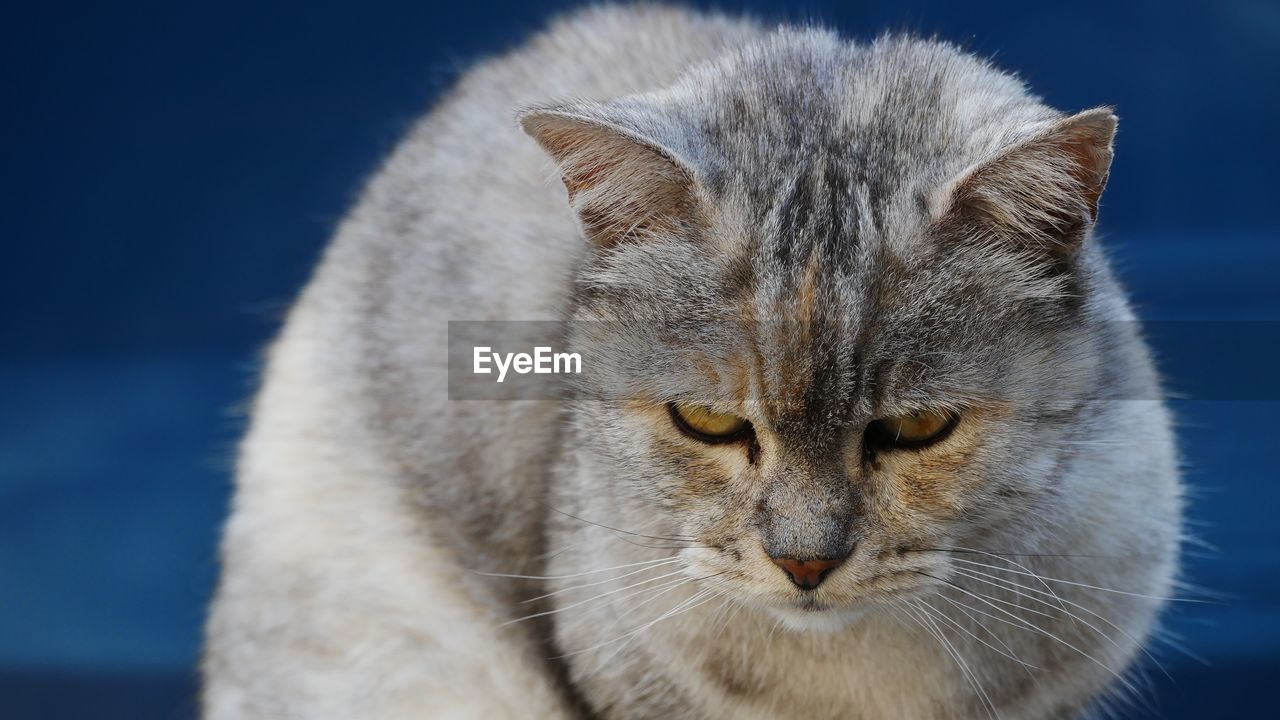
(834, 316)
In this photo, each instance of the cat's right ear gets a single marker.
(1041, 192)
(621, 184)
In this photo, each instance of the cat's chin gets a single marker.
(825, 620)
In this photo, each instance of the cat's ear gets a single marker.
(1042, 191)
(622, 185)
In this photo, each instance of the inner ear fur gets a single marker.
(1043, 191)
(621, 184)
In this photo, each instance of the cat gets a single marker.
(864, 428)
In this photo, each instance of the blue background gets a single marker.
(169, 174)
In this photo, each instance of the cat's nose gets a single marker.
(807, 574)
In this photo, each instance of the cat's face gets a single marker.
(822, 354)
(873, 414)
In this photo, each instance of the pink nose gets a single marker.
(807, 574)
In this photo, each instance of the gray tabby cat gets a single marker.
(864, 430)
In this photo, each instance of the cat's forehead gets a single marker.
(808, 130)
(825, 155)
(820, 296)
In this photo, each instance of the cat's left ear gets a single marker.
(1042, 191)
(623, 183)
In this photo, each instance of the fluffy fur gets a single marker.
(780, 224)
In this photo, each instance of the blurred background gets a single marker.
(169, 173)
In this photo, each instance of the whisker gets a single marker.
(652, 598)
(988, 601)
(1088, 586)
(664, 547)
(726, 615)
(673, 538)
(573, 575)
(697, 599)
(590, 599)
(968, 612)
(553, 554)
(925, 617)
(641, 598)
(1021, 625)
(1006, 554)
(773, 631)
(647, 568)
(1168, 638)
(1015, 564)
(965, 630)
(993, 580)
(1018, 606)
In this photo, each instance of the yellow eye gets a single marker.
(920, 428)
(707, 425)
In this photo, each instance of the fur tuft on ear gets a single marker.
(1042, 191)
(621, 185)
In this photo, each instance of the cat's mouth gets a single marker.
(810, 614)
(812, 604)
(823, 611)
(830, 609)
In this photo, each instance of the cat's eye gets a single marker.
(707, 425)
(914, 430)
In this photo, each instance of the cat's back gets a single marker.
(469, 205)
(361, 487)
(467, 220)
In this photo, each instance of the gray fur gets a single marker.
(781, 224)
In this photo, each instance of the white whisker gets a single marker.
(969, 613)
(1083, 585)
(591, 599)
(653, 595)
(693, 601)
(942, 615)
(1015, 563)
(1030, 626)
(574, 575)
(1011, 585)
(925, 617)
(647, 568)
